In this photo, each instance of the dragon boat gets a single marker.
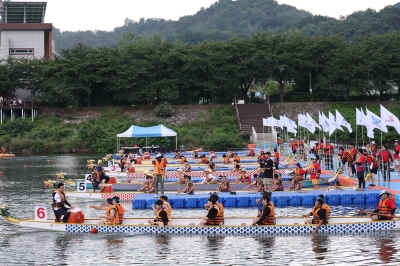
(189, 226)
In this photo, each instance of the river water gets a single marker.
(22, 189)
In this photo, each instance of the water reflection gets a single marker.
(320, 245)
(114, 243)
(266, 246)
(215, 242)
(163, 246)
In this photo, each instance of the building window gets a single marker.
(22, 51)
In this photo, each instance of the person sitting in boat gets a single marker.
(225, 185)
(111, 217)
(236, 158)
(189, 187)
(188, 168)
(230, 154)
(243, 177)
(182, 159)
(259, 184)
(318, 213)
(177, 155)
(195, 155)
(120, 209)
(129, 167)
(166, 206)
(253, 183)
(326, 206)
(148, 186)
(181, 178)
(386, 208)
(220, 215)
(122, 162)
(251, 152)
(132, 158)
(278, 186)
(203, 159)
(59, 202)
(210, 178)
(262, 156)
(211, 165)
(299, 172)
(3, 150)
(96, 182)
(161, 214)
(213, 217)
(212, 155)
(226, 159)
(101, 172)
(267, 213)
(236, 167)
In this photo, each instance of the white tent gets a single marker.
(147, 132)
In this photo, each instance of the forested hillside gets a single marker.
(226, 19)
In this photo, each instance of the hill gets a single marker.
(226, 19)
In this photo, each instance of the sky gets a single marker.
(74, 15)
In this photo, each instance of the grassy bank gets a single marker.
(215, 127)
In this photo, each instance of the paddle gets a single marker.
(308, 223)
(380, 214)
(95, 212)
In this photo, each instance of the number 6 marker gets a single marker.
(40, 213)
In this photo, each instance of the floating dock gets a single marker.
(280, 199)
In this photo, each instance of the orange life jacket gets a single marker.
(204, 160)
(220, 215)
(63, 197)
(169, 210)
(383, 209)
(217, 218)
(315, 213)
(298, 175)
(159, 167)
(270, 219)
(237, 158)
(108, 213)
(121, 212)
(226, 159)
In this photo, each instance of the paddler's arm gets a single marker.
(266, 213)
(98, 207)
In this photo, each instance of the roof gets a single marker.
(24, 12)
(149, 132)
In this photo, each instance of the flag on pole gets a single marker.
(341, 121)
(360, 118)
(374, 121)
(312, 121)
(332, 124)
(305, 122)
(290, 125)
(389, 119)
(325, 123)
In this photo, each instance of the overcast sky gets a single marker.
(74, 15)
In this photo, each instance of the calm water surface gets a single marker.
(22, 188)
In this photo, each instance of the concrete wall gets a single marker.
(22, 39)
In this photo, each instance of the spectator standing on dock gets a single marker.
(384, 162)
(315, 172)
(328, 155)
(160, 163)
(268, 172)
(396, 160)
(20, 103)
(374, 149)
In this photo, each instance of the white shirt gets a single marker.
(57, 199)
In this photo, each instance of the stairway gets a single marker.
(251, 115)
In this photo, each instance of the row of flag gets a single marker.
(331, 123)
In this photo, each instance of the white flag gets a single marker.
(360, 118)
(332, 124)
(389, 119)
(375, 121)
(290, 125)
(320, 119)
(312, 121)
(301, 121)
(370, 132)
(341, 121)
(325, 123)
(308, 124)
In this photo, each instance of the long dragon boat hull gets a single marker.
(231, 226)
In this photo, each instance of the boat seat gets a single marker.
(191, 224)
(243, 224)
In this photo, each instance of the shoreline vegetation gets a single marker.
(93, 130)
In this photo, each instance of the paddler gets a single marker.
(189, 187)
(212, 217)
(386, 208)
(161, 214)
(120, 208)
(267, 212)
(210, 178)
(318, 213)
(3, 150)
(101, 172)
(167, 207)
(59, 202)
(111, 217)
(220, 215)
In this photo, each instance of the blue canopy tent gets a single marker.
(147, 132)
